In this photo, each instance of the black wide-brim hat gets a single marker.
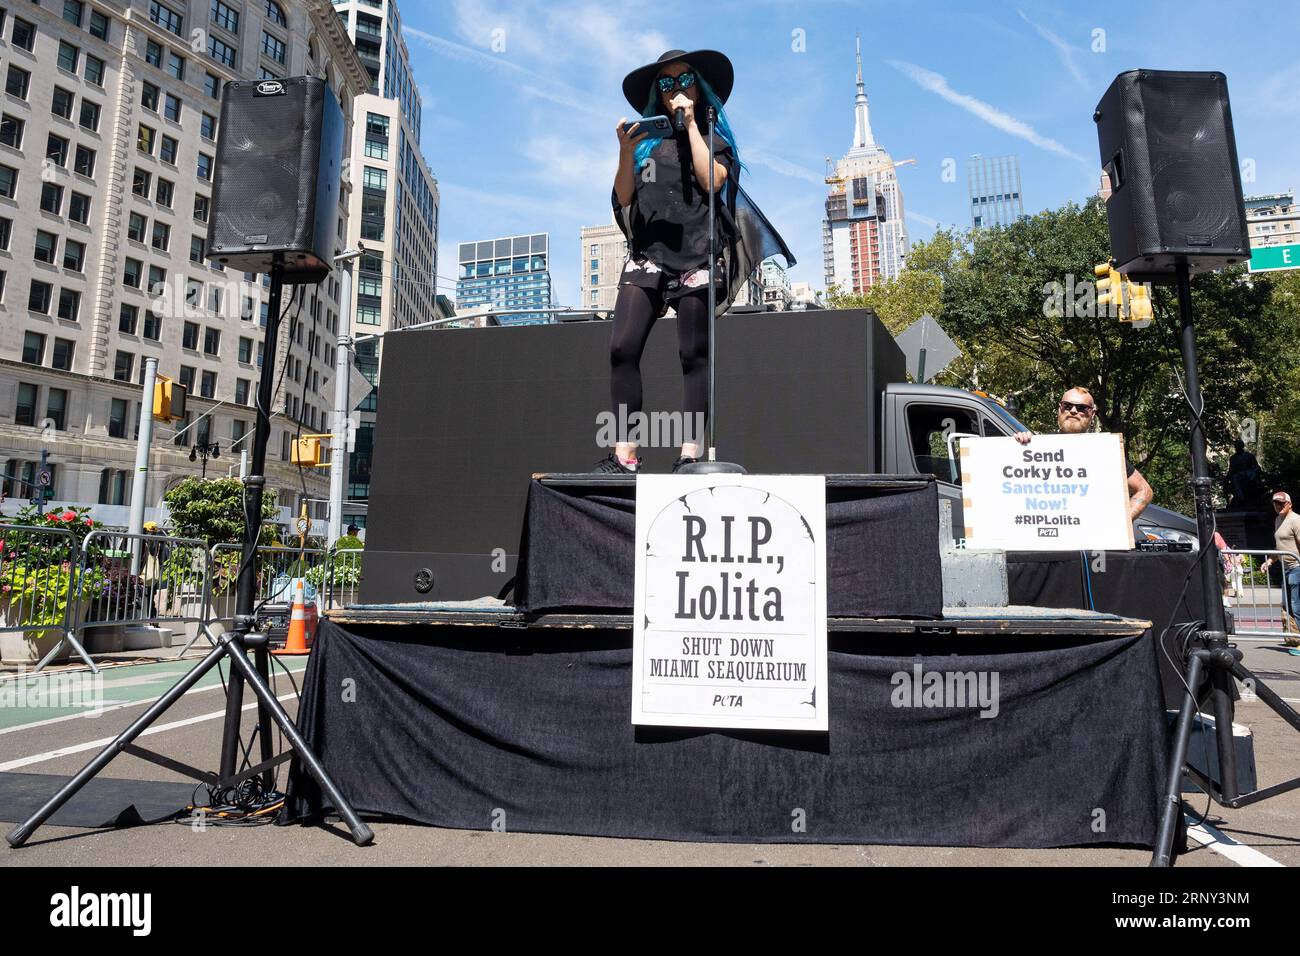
(713, 66)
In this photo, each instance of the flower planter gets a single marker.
(144, 638)
(28, 647)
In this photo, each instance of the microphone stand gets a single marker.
(711, 466)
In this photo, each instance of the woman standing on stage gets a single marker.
(661, 202)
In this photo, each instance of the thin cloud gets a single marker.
(938, 84)
(927, 221)
(1063, 49)
(759, 157)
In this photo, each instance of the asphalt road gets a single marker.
(1265, 834)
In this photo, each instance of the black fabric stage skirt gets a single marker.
(882, 546)
(1160, 587)
(471, 727)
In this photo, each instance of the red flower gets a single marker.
(69, 516)
(90, 522)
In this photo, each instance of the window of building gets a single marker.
(73, 11)
(25, 404)
(123, 366)
(69, 304)
(93, 71)
(74, 255)
(198, 249)
(272, 47)
(204, 167)
(208, 385)
(176, 66)
(61, 357)
(79, 208)
(47, 246)
(275, 14)
(84, 162)
(162, 236)
(23, 34)
(144, 139)
(166, 190)
(89, 117)
(6, 232)
(117, 418)
(168, 150)
(8, 181)
(157, 280)
(153, 53)
(11, 131)
(172, 108)
(51, 198)
(127, 318)
(140, 180)
(132, 272)
(56, 407)
(136, 227)
(69, 56)
(201, 208)
(221, 52)
(208, 127)
(190, 336)
(212, 85)
(166, 17)
(39, 295)
(152, 326)
(34, 348)
(212, 342)
(99, 25)
(17, 81)
(225, 17)
(56, 150)
(187, 378)
(61, 103)
(113, 485)
(149, 94)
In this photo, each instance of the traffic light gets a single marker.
(305, 451)
(1110, 288)
(168, 400)
(1140, 311)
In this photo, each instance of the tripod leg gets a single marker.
(263, 659)
(19, 834)
(361, 834)
(1172, 805)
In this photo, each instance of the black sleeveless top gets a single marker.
(669, 212)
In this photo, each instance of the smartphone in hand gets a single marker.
(654, 125)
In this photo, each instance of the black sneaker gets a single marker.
(683, 460)
(610, 465)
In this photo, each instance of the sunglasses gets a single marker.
(1081, 409)
(682, 81)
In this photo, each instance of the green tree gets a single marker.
(212, 509)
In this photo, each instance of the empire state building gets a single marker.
(864, 236)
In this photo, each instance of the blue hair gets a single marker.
(721, 127)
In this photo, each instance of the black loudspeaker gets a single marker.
(1168, 148)
(466, 416)
(276, 184)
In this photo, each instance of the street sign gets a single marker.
(927, 348)
(359, 387)
(43, 477)
(1275, 258)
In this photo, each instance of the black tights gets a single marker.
(634, 315)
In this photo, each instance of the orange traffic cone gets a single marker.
(295, 645)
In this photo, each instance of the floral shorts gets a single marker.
(648, 275)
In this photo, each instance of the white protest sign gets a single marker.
(730, 602)
(1058, 493)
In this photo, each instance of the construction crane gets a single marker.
(834, 180)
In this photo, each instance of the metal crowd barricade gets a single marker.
(277, 566)
(171, 587)
(38, 574)
(1260, 611)
(342, 578)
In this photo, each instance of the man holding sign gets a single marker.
(1074, 416)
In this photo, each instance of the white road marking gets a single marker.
(105, 741)
(1218, 841)
(93, 714)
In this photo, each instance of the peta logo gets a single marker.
(76, 909)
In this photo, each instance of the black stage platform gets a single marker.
(474, 717)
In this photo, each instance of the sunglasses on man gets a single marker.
(682, 81)
(1076, 406)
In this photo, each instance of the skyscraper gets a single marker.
(394, 212)
(510, 273)
(109, 138)
(994, 187)
(864, 236)
(603, 252)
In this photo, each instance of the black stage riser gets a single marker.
(466, 416)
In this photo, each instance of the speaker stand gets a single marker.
(230, 645)
(1212, 652)
(711, 466)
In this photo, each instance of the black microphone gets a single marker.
(679, 119)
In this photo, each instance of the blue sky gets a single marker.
(521, 99)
